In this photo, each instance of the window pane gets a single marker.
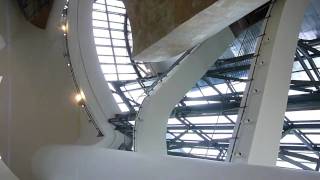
(107, 69)
(300, 76)
(110, 77)
(125, 69)
(123, 107)
(100, 1)
(103, 24)
(118, 42)
(99, 15)
(116, 10)
(117, 98)
(123, 60)
(104, 50)
(116, 18)
(101, 33)
(303, 115)
(106, 59)
(116, 25)
(100, 7)
(117, 34)
(115, 3)
(102, 41)
(121, 51)
(127, 77)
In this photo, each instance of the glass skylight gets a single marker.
(113, 40)
(109, 19)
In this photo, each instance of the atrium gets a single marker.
(159, 89)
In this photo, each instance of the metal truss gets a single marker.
(225, 104)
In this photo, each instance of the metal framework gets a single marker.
(201, 125)
(223, 106)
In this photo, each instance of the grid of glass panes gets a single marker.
(108, 20)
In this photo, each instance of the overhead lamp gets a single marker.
(64, 28)
(80, 99)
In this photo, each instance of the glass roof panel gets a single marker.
(303, 115)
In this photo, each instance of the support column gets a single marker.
(151, 122)
(258, 131)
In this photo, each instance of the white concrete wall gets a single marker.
(86, 163)
(36, 94)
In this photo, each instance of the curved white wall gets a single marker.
(84, 59)
(85, 163)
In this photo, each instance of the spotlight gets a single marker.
(64, 28)
(80, 100)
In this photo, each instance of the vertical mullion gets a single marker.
(111, 40)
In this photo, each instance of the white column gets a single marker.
(151, 122)
(260, 121)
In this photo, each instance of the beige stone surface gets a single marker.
(160, 38)
(153, 19)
